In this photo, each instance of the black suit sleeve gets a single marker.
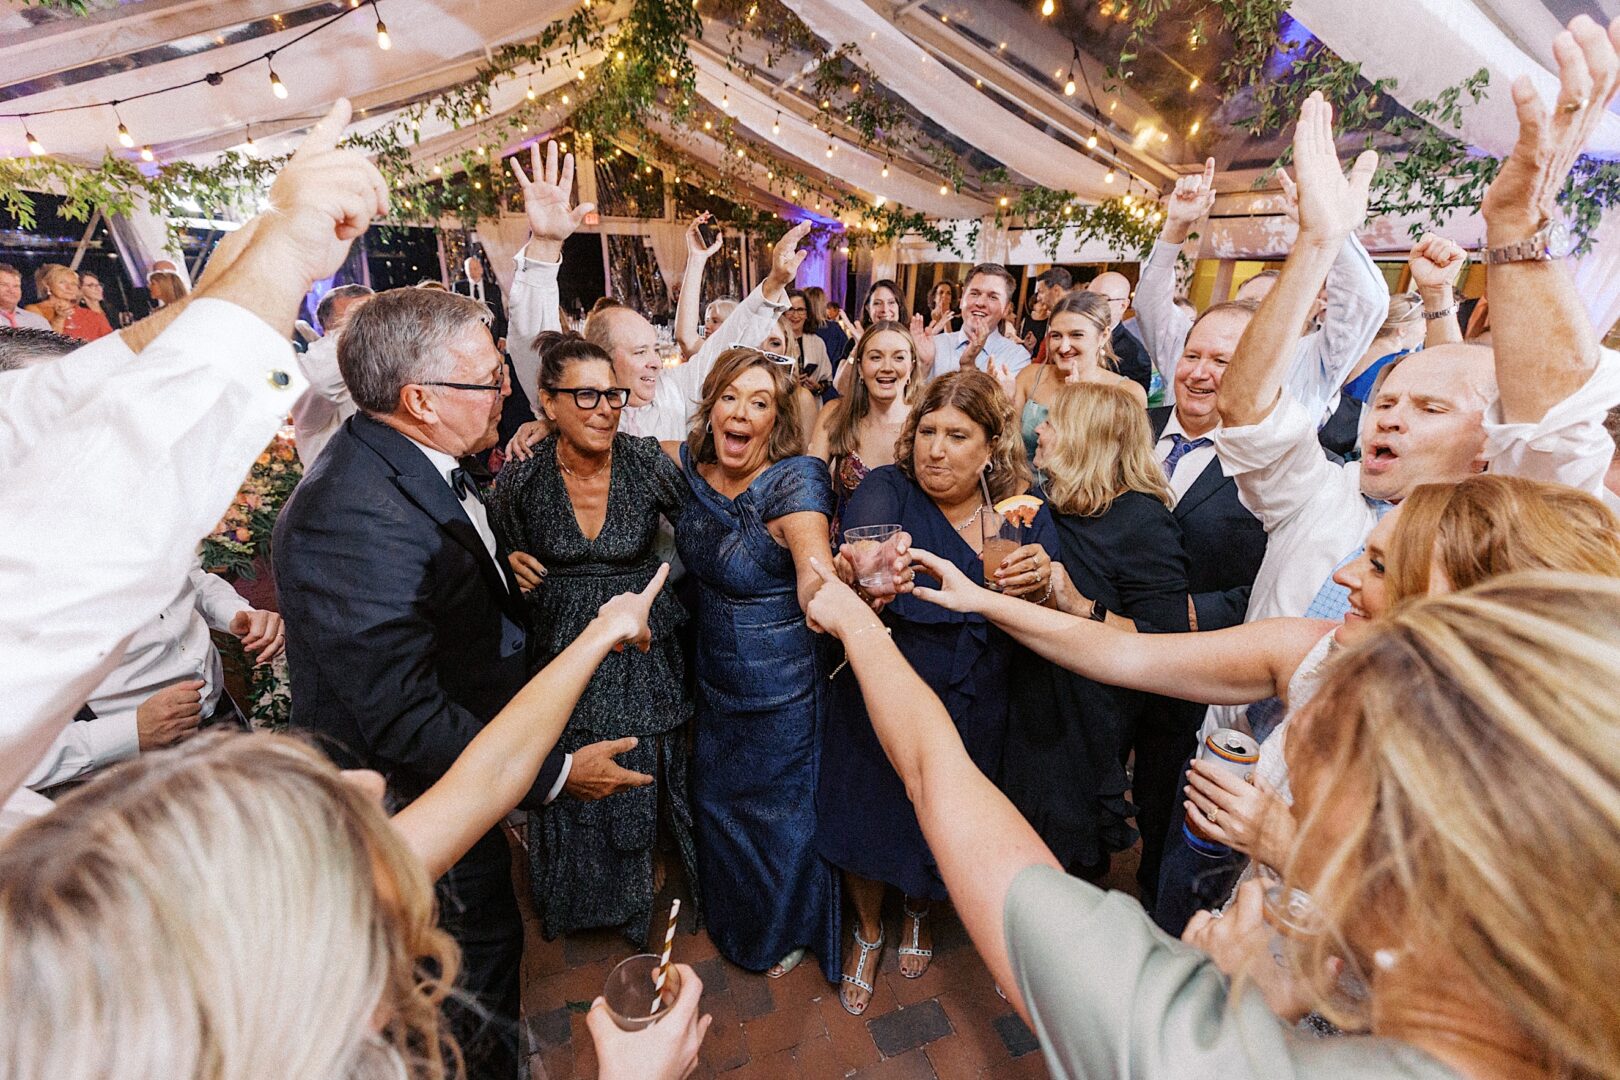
(367, 617)
(1151, 571)
(1218, 610)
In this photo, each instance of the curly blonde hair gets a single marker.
(1464, 810)
(983, 401)
(232, 909)
(1103, 447)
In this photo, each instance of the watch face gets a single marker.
(1560, 241)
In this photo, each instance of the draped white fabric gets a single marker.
(907, 70)
(501, 237)
(669, 250)
(1597, 275)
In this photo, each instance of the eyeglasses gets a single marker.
(778, 358)
(589, 397)
(498, 384)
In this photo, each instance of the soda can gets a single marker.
(1236, 752)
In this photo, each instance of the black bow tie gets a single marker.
(463, 484)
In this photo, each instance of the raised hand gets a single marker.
(1289, 196)
(922, 336)
(956, 592)
(835, 608)
(668, 1050)
(1190, 200)
(1331, 204)
(1005, 378)
(546, 197)
(1435, 262)
(1526, 188)
(977, 328)
(321, 200)
(695, 248)
(261, 632)
(785, 259)
(520, 447)
(625, 616)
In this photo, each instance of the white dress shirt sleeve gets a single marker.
(749, 323)
(1278, 464)
(1569, 445)
(85, 746)
(36, 401)
(88, 556)
(562, 778)
(533, 307)
(1164, 326)
(1357, 305)
(217, 602)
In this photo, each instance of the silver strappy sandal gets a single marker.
(867, 949)
(916, 918)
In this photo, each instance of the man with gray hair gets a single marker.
(405, 630)
(26, 345)
(319, 410)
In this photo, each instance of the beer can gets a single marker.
(1237, 753)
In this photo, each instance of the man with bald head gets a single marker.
(1133, 358)
(661, 402)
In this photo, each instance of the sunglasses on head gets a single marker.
(588, 397)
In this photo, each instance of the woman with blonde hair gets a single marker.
(856, 433)
(957, 456)
(1458, 801)
(1120, 545)
(1077, 351)
(59, 304)
(165, 287)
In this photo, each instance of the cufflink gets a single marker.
(279, 379)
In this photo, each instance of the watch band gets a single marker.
(1441, 314)
(1098, 612)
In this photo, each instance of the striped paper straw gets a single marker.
(662, 974)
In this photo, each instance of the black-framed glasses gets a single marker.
(467, 385)
(589, 397)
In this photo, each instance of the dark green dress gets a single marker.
(591, 862)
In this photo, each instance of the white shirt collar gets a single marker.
(1172, 426)
(442, 461)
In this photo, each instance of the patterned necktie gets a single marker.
(1180, 447)
(1332, 600)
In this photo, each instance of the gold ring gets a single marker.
(1575, 106)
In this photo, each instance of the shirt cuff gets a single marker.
(1258, 446)
(562, 778)
(522, 262)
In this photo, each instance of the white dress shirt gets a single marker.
(479, 516)
(948, 349)
(535, 307)
(20, 318)
(320, 410)
(176, 646)
(1357, 304)
(113, 470)
(1192, 463)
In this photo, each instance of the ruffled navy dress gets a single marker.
(866, 824)
(758, 731)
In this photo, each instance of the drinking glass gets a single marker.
(1001, 538)
(631, 1000)
(872, 551)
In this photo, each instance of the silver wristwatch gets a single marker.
(1552, 241)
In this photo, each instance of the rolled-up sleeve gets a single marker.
(1357, 304)
(1278, 465)
(1569, 445)
(533, 306)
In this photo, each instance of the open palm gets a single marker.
(546, 195)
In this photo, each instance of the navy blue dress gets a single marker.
(865, 822)
(761, 704)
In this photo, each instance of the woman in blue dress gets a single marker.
(758, 517)
(960, 442)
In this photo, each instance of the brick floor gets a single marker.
(947, 1025)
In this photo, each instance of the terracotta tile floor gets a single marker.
(948, 1025)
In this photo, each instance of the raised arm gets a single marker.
(534, 302)
(1225, 667)
(1435, 263)
(689, 308)
(1331, 207)
(1545, 346)
(976, 836)
(498, 767)
(1164, 325)
(753, 319)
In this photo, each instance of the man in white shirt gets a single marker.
(1352, 308)
(85, 568)
(168, 683)
(986, 299)
(321, 409)
(662, 400)
(12, 314)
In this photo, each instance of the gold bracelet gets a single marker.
(842, 664)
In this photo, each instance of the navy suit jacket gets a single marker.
(403, 636)
(1224, 542)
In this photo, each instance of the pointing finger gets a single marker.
(324, 135)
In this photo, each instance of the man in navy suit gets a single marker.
(405, 627)
(1224, 545)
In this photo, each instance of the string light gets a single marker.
(830, 149)
(277, 87)
(531, 94)
(125, 139)
(35, 147)
(1108, 177)
(725, 99)
(579, 76)
(1004, 200)
(1074, 61)
(1047, 8)
(146, 153)
(944, 189)
(1196, 124)
(885, 170)
(250, 145)
(776, 125)
(1091, 143)
(1196, 82)
(383, 41)
(565, 99)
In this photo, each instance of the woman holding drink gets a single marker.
(1120, 546)
(957, 456)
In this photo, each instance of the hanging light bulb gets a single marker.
(725, 99)
(579, 76)
(35, 147)
(885, 170)
(740, 152)
(1047, 8)
(829, 149)
(383, 41)
(1068, 87)
(125, 139)
(776, 125)
(1108, 177)
(1091, 143)
(1196, 124)
(565, 99)
(250, 145)
(1003, 200)
(944, 189)
(531, 95)
(1196, 82)
(482, 152)
(277, 87)
(146, 153)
